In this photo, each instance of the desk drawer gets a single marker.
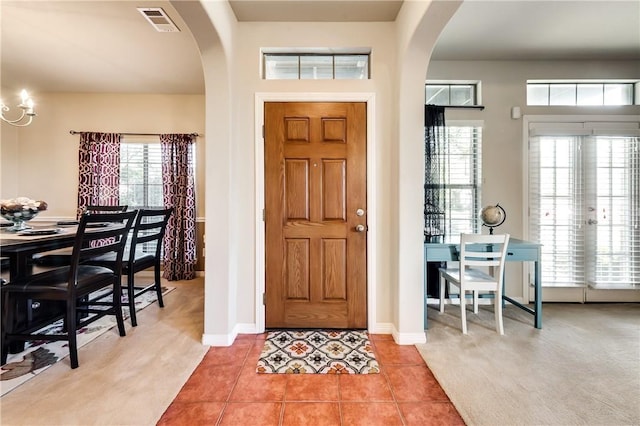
(440, 253)
(530, 254)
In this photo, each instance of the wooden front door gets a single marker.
(316, 221)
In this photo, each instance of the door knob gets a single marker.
(359, 212)
(360, 228)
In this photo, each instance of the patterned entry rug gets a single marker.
(40, 355)
(317, 352)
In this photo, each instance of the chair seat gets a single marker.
(56, 281)
(141, 260)
(476, 276)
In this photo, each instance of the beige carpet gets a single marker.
(582, 368)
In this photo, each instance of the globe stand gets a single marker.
(490, 228)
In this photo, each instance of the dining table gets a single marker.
(19, 247)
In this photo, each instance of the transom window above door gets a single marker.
(316, 64)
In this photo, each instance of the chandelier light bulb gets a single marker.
(27, 114)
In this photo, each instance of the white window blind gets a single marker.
(462, 161)
(585, 202)
(141, 174)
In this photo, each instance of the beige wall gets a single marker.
(44, 157)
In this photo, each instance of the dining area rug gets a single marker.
(40, 355)
(317, 352)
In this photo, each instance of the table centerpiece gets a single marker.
(20, 210)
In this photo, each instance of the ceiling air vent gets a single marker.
(159, 19)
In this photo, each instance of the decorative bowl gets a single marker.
(20, 210)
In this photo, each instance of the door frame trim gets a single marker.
(260, 242)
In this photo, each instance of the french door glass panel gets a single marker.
(584, 207)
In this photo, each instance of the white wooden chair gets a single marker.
(477, 251)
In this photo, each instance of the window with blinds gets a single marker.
(461, 161)
(141, 178)
(584, 202)
(141, 175)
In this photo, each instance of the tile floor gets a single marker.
(225, 390)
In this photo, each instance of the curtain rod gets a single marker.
(464, 107)
(73, 132)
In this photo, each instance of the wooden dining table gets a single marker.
(20, 248)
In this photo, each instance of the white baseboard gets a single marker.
(218, 339)
(381, 328)
(399, 338)
(228, 339)
(248, 328)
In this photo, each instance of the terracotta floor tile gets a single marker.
(234, 354)
(414, 383)
(430, 413)
(262, 336)
(246, 337)
(252, 413)
(311, 414)
(259, 387)
(364, 388)
(191, 413)
(210, 383)
(225, 389)
(380, 337)
(370, 414)
(255, 351)
(390, 353)
(312, 387)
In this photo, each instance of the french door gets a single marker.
(584, 199)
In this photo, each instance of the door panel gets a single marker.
(315, 179)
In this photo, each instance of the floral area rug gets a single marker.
(317, 352)
(40, 355)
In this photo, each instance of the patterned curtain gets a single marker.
(99, 170)
(434, 196)
(179, 259)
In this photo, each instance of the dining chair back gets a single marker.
(144, 251)
(481, 268)
(62, 256)
(75, 285)
(106, 209)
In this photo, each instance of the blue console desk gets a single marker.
(517, 251)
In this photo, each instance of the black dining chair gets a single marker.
(73, 285)
(62, 257)
(143, 251)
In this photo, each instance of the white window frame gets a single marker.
(477, 89)
(302, 53)
(635, 93)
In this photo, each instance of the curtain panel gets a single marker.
(99, 170)
(434, 195)
(179, 254)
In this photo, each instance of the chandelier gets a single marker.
(26, 105)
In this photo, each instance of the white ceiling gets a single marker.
(107, 46)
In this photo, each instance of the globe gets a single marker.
(492, 216)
